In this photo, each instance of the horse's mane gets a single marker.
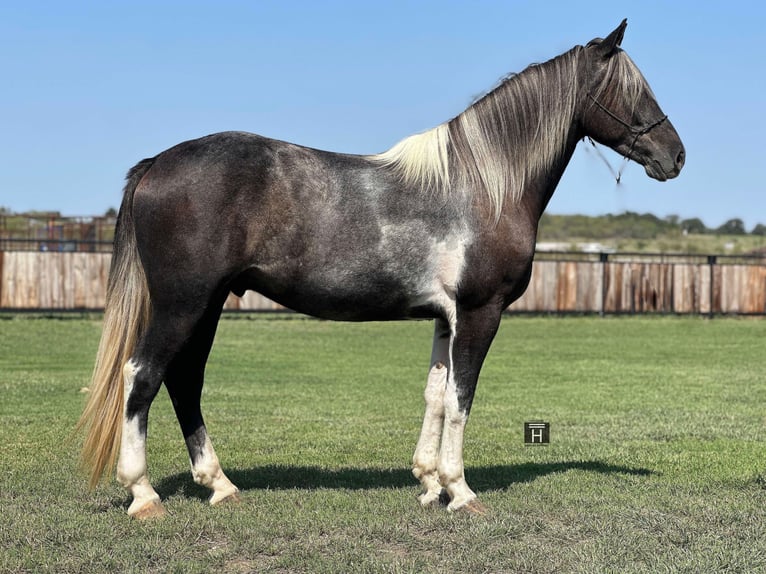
(508, 136)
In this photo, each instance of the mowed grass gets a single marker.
(656, 462)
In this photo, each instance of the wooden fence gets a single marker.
(77, 281)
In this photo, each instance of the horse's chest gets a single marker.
(497, 269)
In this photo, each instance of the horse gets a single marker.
(442, 226)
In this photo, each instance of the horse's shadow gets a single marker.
(287, 477)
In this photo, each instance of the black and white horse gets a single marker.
(441, 226)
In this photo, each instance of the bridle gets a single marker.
(637, 132)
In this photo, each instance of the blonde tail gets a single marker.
(126, 315)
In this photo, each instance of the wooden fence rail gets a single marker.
(71, 281)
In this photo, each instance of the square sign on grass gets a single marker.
(537, 433)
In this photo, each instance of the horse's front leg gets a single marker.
(426, 458)
(473, 334)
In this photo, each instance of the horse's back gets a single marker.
(323, 233)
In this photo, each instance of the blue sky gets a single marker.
(90, 88)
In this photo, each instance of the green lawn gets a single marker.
(657, 461)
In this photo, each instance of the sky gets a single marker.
(90, 88)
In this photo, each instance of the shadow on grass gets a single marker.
(482, 478)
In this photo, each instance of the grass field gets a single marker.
(656, 463)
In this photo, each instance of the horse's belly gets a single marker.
(357, 298)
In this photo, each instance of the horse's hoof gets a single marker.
(149, 511)
(432, 499)
(232, 498)
(429, 500)
(472, 507)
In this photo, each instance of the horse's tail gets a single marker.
(126, 315)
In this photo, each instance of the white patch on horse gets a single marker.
(446, 261)
(131, 467)
(207, 472)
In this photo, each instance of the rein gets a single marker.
(637, 132)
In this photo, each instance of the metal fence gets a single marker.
(55, 245)
(52, 232)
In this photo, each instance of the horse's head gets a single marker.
(621, 112)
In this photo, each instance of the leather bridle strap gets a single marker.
(637, 131)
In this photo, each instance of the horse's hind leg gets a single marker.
(170, 330)
(143, 376)
(141, 385)
(184, 382)
(425, 460)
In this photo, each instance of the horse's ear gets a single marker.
(609, 45)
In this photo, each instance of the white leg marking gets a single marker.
(426, 459)
(131, 467)
(207, 472)
(424, 462)
(451, 472)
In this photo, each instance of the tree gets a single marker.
(732, 227)
(759, 229)
(111, 212)
(693, 225)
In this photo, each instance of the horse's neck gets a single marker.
(540, 184)
(539, 192)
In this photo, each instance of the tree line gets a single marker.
(627, 225)
(630, 225)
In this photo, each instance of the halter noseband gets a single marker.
(637, 132)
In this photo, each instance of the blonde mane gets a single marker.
(507, 137)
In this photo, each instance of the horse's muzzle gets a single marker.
(667, 167)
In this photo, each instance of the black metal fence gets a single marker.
(52, 232)
(53, 245)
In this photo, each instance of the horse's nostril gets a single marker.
(681, 158)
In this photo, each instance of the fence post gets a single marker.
(711, 261)
(603, 259)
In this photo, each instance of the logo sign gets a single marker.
(537, 433)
